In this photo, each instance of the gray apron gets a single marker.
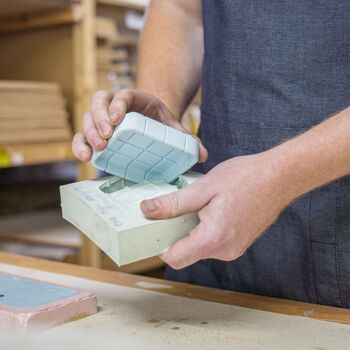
(273, 69)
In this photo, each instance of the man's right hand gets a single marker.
(108, 109)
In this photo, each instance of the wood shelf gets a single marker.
(128, 4)
(30, 154)
(58, 41)
(11, 8)
(52, 17)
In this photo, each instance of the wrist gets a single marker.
(283, 175)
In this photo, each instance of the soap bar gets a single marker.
(28, 304)
(143, 149)
(108, 211)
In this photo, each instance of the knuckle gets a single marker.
(215, 237)
(98, 116)
(118, 103)
(233, 255)
(127, 94)
(76, 138)
(208, 250)
(167, 204)
(86, 116)
(99, 94)
(173, 202)
(176, 265)
(90, 134)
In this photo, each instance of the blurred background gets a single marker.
(53, 55)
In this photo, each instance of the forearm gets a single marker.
(315, 158)
(171, 51)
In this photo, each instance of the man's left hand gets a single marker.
(236, 201)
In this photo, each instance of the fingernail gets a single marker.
(114, 119)
(105, 128)
(98, 144)
(83, 155)
(150, 205)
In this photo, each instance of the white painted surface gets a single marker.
(142, 319)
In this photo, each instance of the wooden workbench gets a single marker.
(188, 315)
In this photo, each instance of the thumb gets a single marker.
(187, 200)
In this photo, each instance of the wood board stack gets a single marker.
(114, 60)
(32, 112)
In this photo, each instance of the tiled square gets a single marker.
(117, 164)
(139, 140)
(159, 148)
(137, 170)
(130, 150)
(125, 135)
(149, 158)
(156, 174)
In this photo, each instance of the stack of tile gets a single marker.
(114, 55)
(32, 112)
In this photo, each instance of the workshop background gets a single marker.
(53, 55)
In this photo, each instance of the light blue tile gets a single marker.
(145, 140)
(149, 158)
(130, 150)
(20, 292)
(125, 135)
(114, 144)
(117, 164)
(142, 141)
(136, 171)
(160, 149)
(170, 168)
(100, 159)
(156, 174)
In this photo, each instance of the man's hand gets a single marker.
(108, 110)
(236, 201)
(240, 198)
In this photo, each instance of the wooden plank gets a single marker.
(31, 100)
(106, 54)
(129, 4)
(8, 137)
(250, 301)
(105, 27)
(53, 45)
(35, 153)
(24, 7)
(29, 123)
(66, 15)
(140, 267)
(120, 68)
(24, 112)
(119, 41)
(84, 63)
(32, 86)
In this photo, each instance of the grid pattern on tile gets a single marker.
(138, 157)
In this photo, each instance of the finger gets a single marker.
(80, 147)
(92, 135)
(99, 110)
(187, 200)
(137, 101)
(203, 153)
(125, 101)
(190, 249)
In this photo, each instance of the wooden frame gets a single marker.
(62, 34)
(250, 301)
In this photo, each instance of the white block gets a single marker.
(115, 222)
